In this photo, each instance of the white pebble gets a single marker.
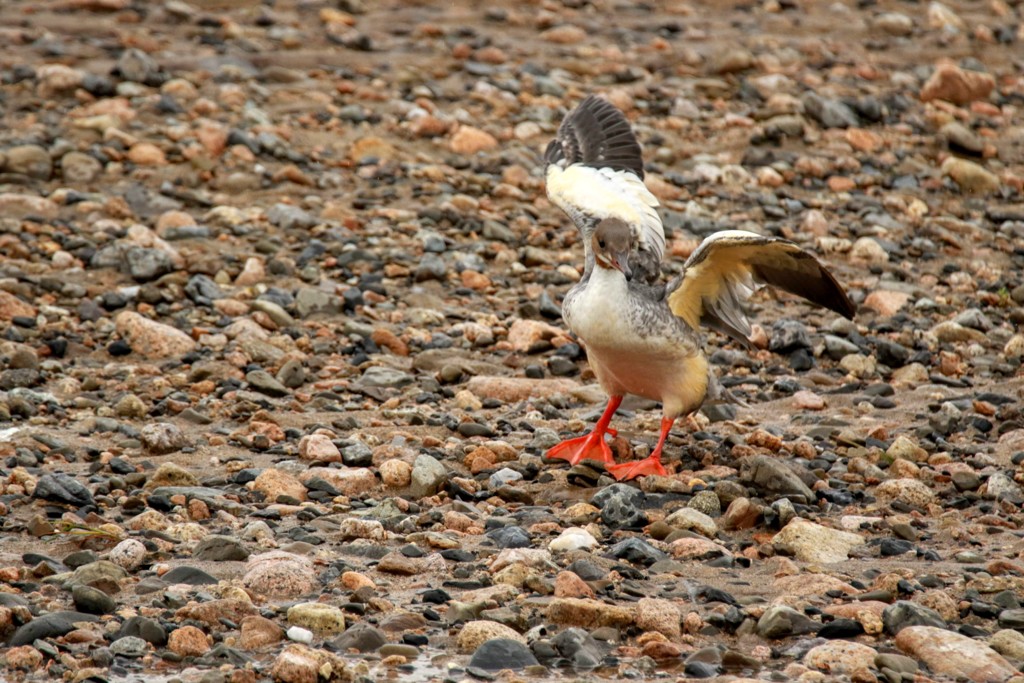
(573, 538)
(300, 635)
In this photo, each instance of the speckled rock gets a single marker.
(812, 542)
(952, 654)
(152, 339)
(280, 574)
(320, 618)
(473, 634)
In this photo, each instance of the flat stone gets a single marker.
(280, 574)
(910, 491)
(775, 477)
(658, 615)
(220, 549)
(92, 600)
(812, 542)
(62, 488)
(152, 339)
(782, 621)
(474, 634)
(101, 574)
(161, 438)
(952, 654)
(50, 625)
(959, 86)
(427, 475)
(587, 613)
(514, 389)
(361, 637)
(318, 617)
(841, 657)
(502, 653)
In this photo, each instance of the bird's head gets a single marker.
(611, 243)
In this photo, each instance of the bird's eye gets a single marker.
(600, 243)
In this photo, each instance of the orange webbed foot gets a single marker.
(589, 447)
(640, 468)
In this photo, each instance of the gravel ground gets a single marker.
(281, 347)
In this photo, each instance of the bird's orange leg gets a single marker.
(592, 445)
(650, 464)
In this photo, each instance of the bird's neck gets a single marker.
(589, 262)
(609, 280)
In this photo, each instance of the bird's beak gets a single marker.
(620, 259)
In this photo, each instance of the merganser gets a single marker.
(644, 340)
(595, 170)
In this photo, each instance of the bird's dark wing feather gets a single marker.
(596, 134)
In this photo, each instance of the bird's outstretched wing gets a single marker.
(728, 266)
(595, 171)
(596, 134)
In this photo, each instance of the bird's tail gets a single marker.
(719, 394)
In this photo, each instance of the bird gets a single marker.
(595, 170)
(643, 336)
(645, 340)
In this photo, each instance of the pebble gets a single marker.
(275, 484)
(868, 251)
(781, 621)
(959, 86)
(971, 177)
(910, 491)
(278, 573)
(361, 637)
(621, 506)
(502, 653)
(319, 618)
(162, 438)
(690, 519)
(188, 641)
(62, 488)
(318, 447)
(513, 389)
(92, 600)
(129, 646)
(396, 473)
(886, 302)
(840, 657)
(812, 542)
(28, 160)
(468, 140)
(894, 23)
(299, 663)
(904, 614)
(775, 477)
(569, 585)
(220, 549)
(587, 613)
(657, 615)
(152, 339)
(952, 654)
(474, 634)
(426, 476)
(298, 634)
(78, 168)
(129, 554)
(258, 632)
(573, 538)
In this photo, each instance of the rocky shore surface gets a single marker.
(281, 347)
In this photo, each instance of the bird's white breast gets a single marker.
(630, 348)
(597, 311)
